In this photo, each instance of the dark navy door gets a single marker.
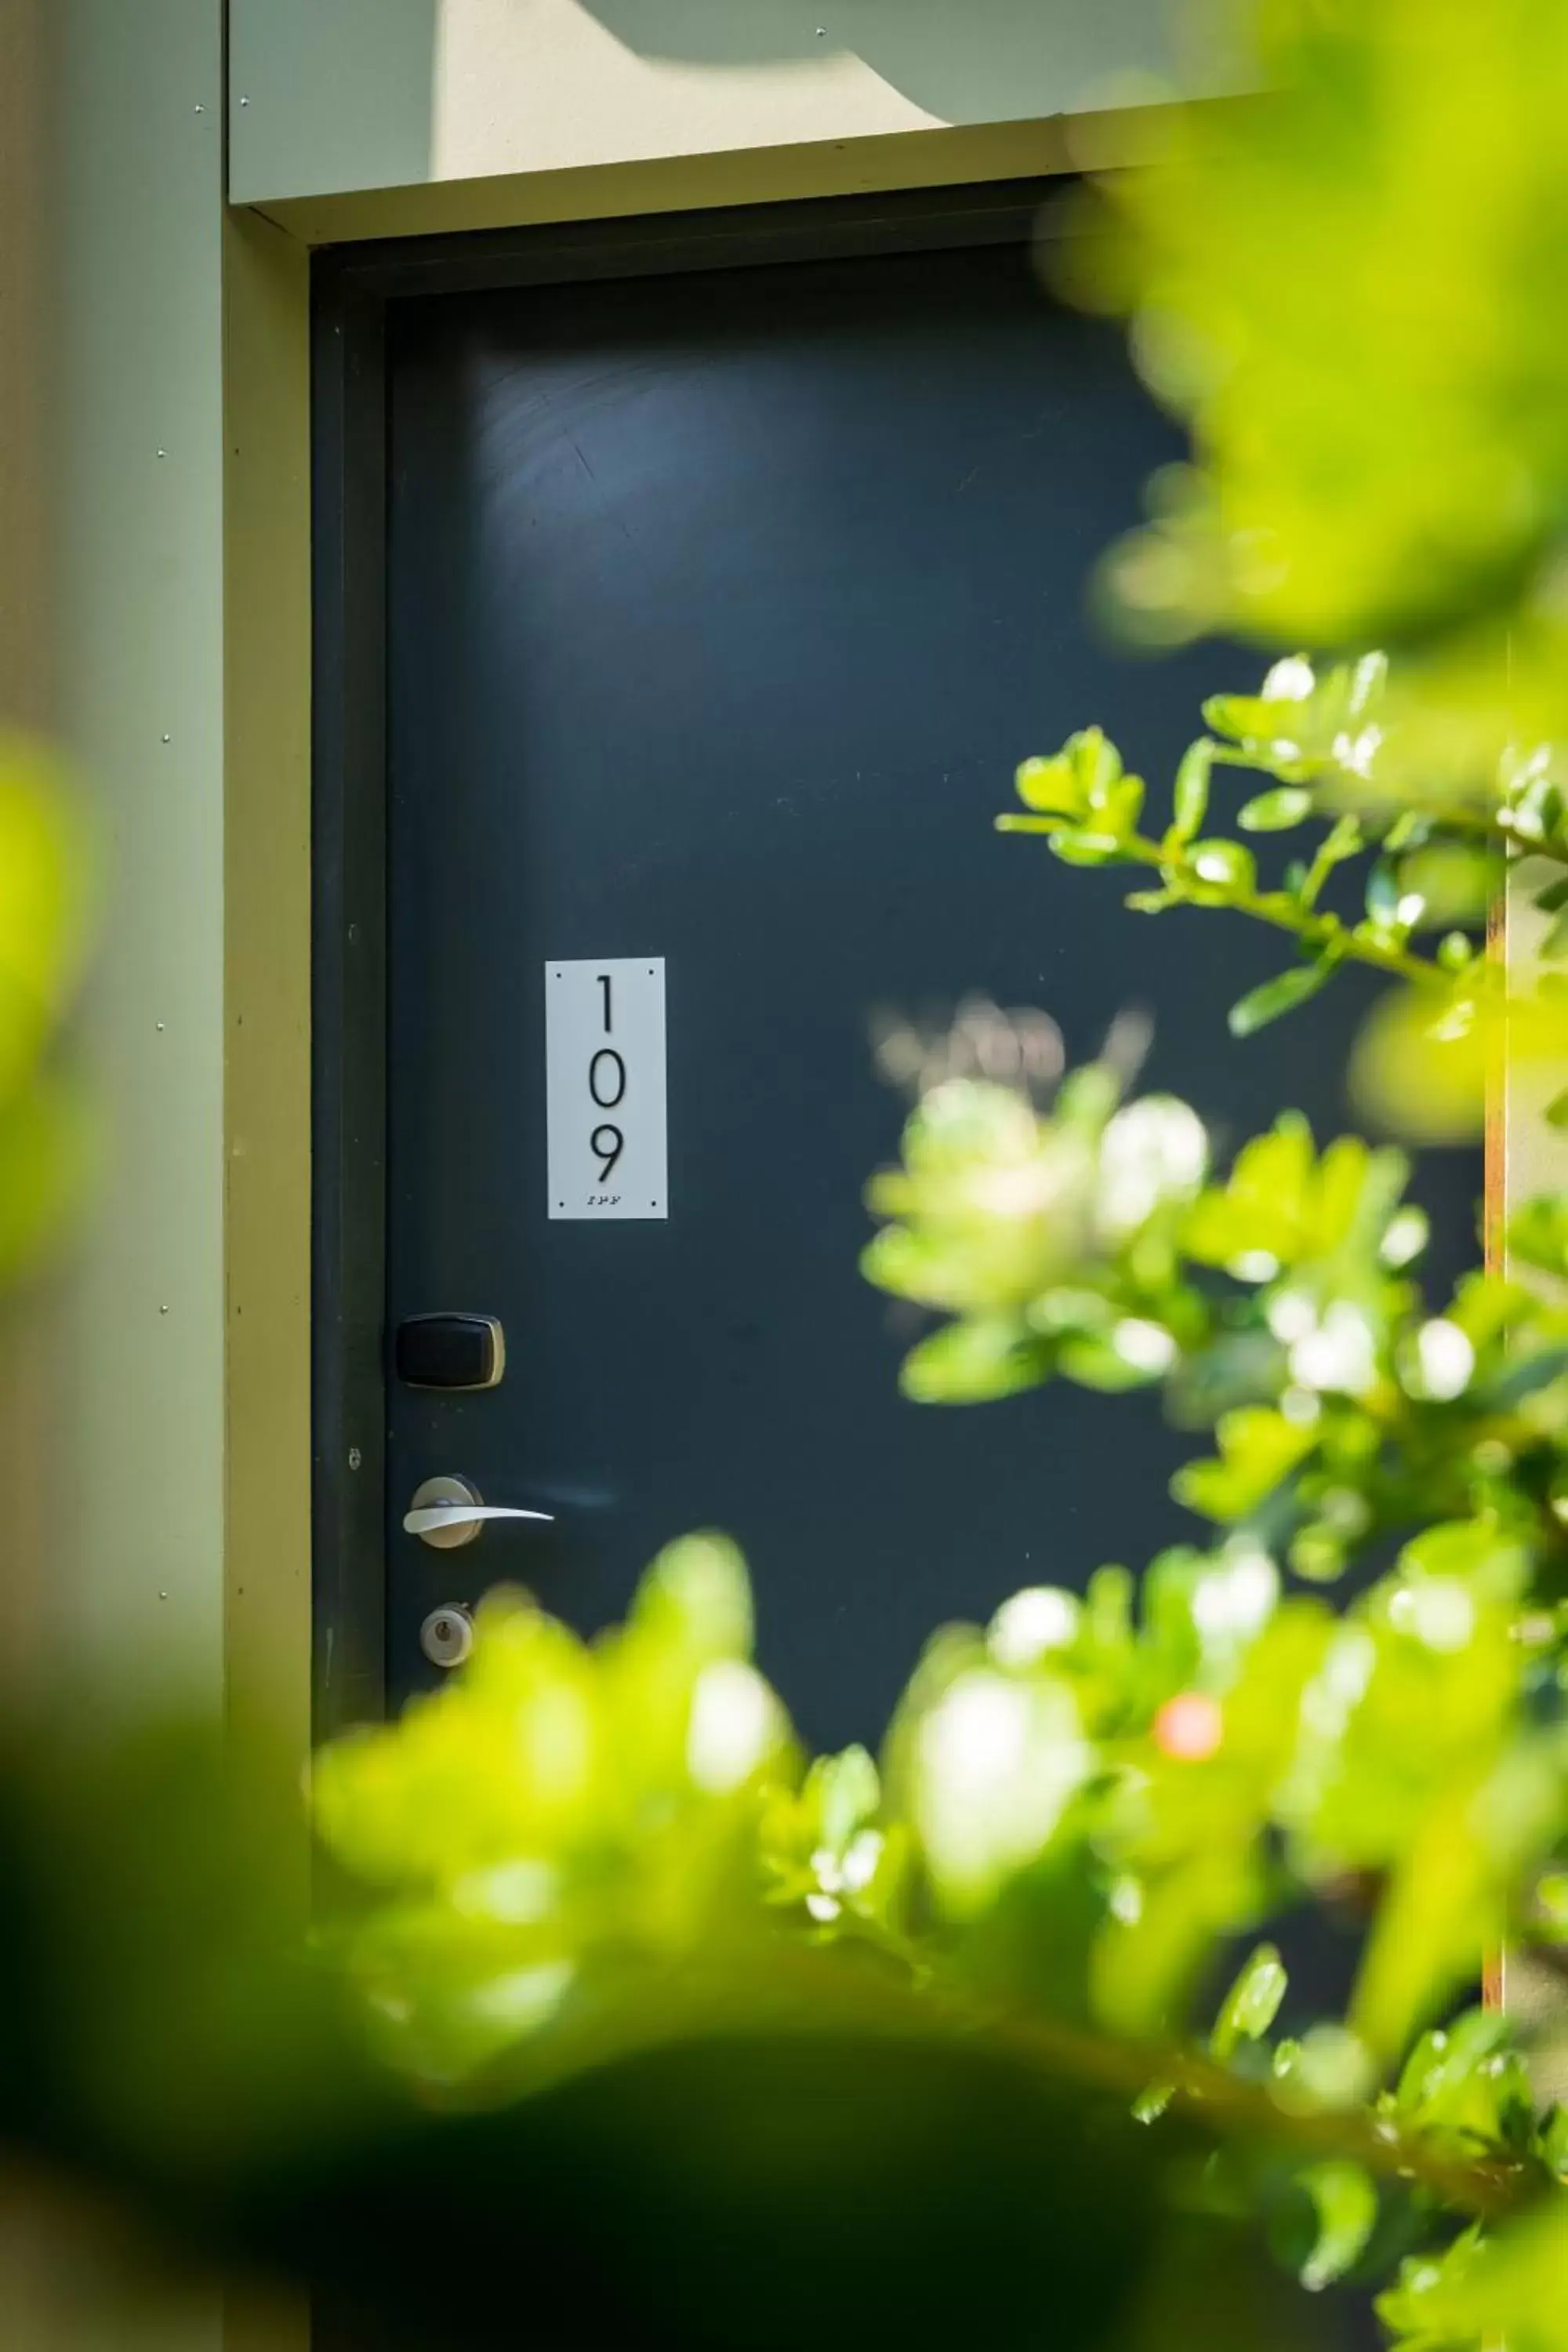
(722, 608)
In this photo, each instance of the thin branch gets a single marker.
(1230, 2105)
(1322, 933)
(1223, 2103)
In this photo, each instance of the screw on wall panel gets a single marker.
(162, 1596)
(355, 1457)
(245, 101)
(160, 1028)
(165, 738)
(163, 1311)
(162, 453)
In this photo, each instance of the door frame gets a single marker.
(353, 289)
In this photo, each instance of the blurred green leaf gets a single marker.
(1257, 1448)
(1272, 997)
(1088, 845)
(1346, 2205)
(1538, 1232)
(973, 1362)
(46, 901)
(1251, 2005)
(680, 2139)
(1276, 811)
(1051, 787)
(47, 1132)
(1420, 1065)
(1362, 471)
(1382, 893)
(1224, 866)
(1476, 2293)
(1191, 797)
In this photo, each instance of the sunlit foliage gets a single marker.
(1352, 287)
(561, 1806)
(1094, 1822)
(1081, 1808)
(1428, 869)
(44, 921)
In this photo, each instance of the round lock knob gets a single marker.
(446, 1636)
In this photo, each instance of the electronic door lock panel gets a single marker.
(460, 1353)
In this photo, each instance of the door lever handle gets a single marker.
(447, 1512)
(431, 1516)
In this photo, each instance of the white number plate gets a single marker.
(604, 1088)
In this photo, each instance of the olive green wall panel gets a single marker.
(136, 138)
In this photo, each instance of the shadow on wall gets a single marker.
(357, 114)
(335, 95)
(998, 60)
